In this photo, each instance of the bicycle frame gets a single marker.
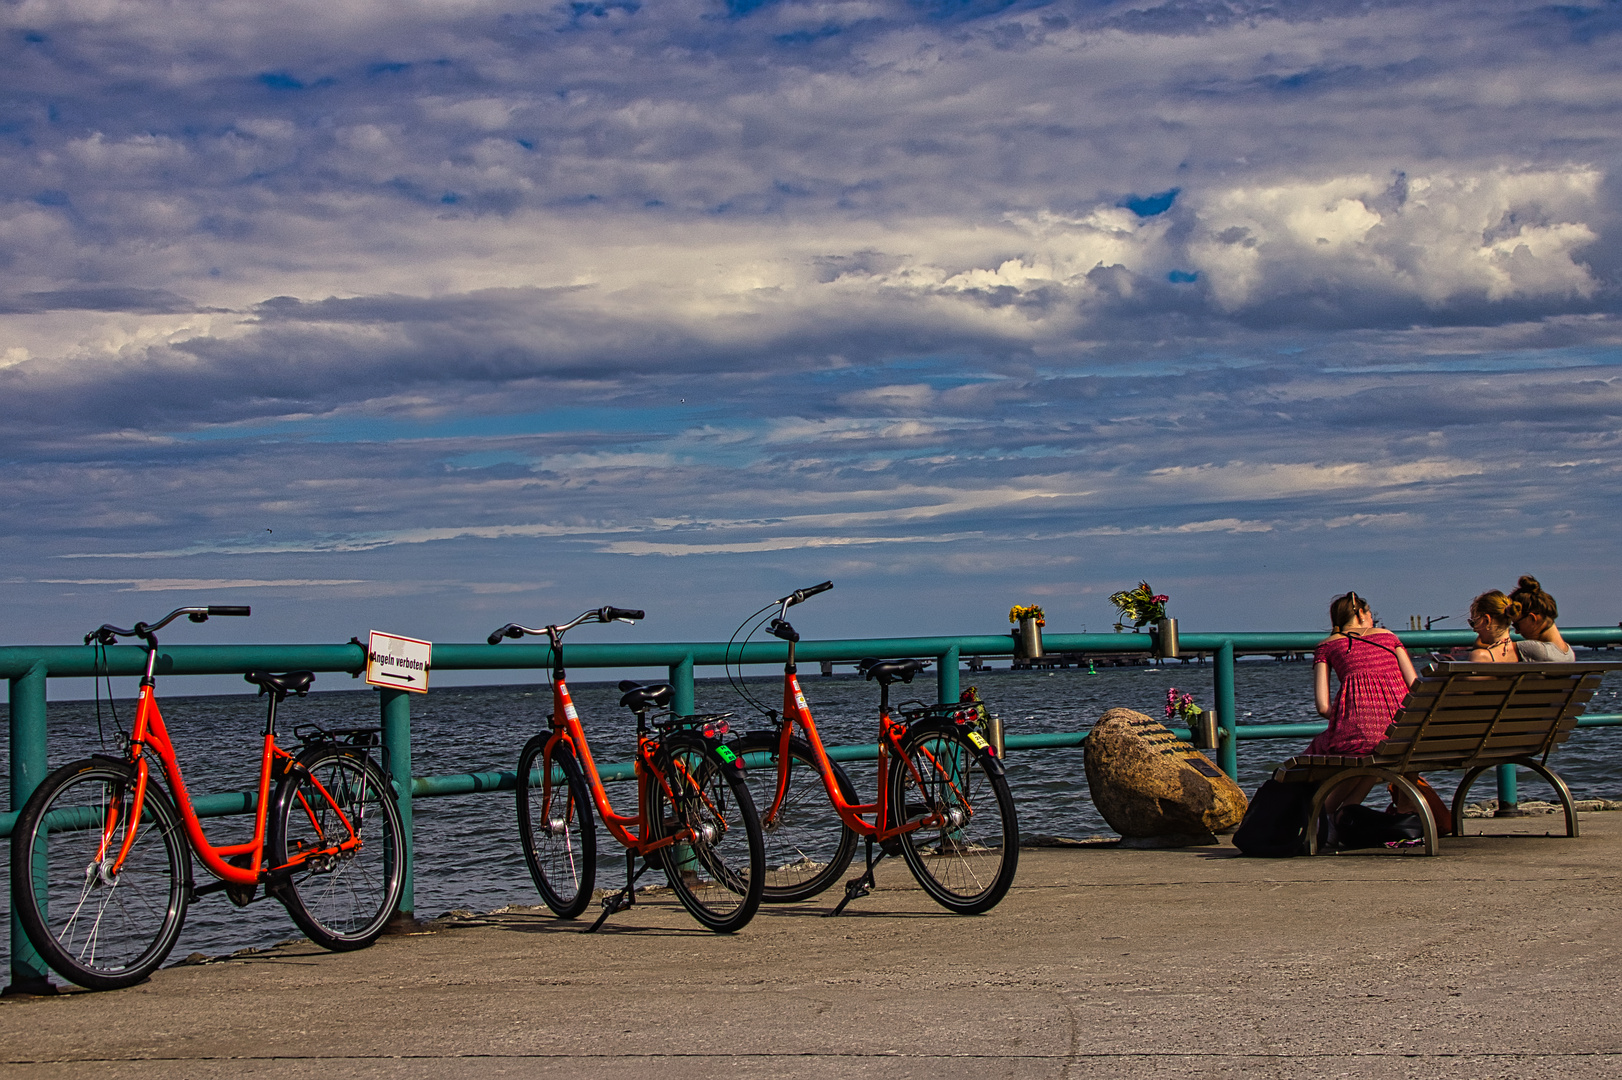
(796, 712)
(567, 731)
(150, 733)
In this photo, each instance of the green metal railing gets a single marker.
(28, 669)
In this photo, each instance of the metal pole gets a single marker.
(29, 974)
(946, 675)
(1509, 794)
(396, 706)
(1227, 716)
(681, 686)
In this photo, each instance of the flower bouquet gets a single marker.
(1141, 606)
(1181, 707)
(1027, 611)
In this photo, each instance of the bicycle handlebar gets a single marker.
(602, 615)
(107, 633)
(800, 596)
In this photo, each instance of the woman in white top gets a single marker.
(1543, 643)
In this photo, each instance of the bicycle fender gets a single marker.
(731, 760)
(984, 752)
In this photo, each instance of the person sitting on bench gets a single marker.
(1491, 615)
(1543, 644)
(1375, 672)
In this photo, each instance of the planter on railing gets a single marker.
(1164, 631)
(1029, 639)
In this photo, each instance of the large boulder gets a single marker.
(1153, 788)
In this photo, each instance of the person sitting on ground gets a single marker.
(1543, 644)
(1491, 615)
(1375, 672)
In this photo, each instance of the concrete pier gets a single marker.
(1498, 958)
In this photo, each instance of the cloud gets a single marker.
(449, 291)
(183, 584)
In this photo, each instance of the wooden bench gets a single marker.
(1463, 716)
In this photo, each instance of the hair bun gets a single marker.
(1528, 583)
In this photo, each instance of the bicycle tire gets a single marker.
(966, 853)
(342, 900)
(717, 871)
(808, 845)
(562, 853)
(102, 935)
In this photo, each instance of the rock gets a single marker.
(1153, 788)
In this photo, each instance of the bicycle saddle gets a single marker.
(642, 698)
(889, 671)
(294, 682)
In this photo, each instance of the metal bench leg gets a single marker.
(1426, 818)
(1560, 788)
(1459, 795)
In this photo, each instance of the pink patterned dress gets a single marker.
(1371, 691)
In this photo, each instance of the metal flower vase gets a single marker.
(1029, 646)
(1165, 635)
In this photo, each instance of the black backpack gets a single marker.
(1275, 825)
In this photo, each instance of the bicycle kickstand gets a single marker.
(623, 899)
(858, 886)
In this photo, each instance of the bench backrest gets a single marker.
(1460, 715)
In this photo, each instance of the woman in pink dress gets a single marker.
(1374, 672)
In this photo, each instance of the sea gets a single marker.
(467, 855)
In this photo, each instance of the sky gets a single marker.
(430, 316)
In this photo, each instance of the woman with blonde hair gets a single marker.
(1543, 643)
(1491, 615)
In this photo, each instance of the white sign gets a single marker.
(400, 662)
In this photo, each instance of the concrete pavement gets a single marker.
(1496, 959)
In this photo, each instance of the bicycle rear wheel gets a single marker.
(717, 866)
(556, 829)
(808, 845)
(336, 815)
(101, 931)
(965, 851)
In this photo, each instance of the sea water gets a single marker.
(467, 852)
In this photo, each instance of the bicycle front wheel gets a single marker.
(100, 929)
(335, 819)
(966, 847)
(808, 845)
(717, 865)
(555, 828)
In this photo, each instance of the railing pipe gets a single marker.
(396, 709)
(29, 973)
(946, 676)
(681, 686)
(1227, 711)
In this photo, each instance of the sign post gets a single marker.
(400, 663)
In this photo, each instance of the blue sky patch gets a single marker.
(1146, 206)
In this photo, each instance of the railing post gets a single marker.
(681, 686)
(29, 974)
(1509, 793)
(946, 676)
(1227, 717)
(397, 744)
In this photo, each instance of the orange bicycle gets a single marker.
(101, 872)
(694, 818)
(943, 802)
